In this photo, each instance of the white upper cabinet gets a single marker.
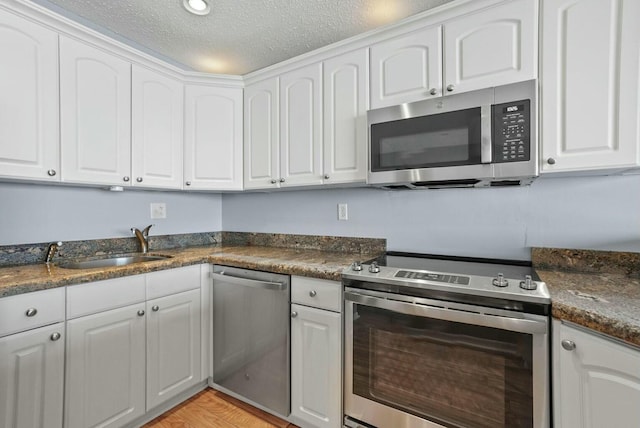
(301, 126)
(345, 118)
(596, 381)
(95, 102)
(29, 114)
(490, 47)
(213, 138)
(261, 135)
(156, 129)
(590, 85)
(407, 68)
(493, 47)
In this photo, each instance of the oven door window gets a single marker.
(454, 374)
(445, 139)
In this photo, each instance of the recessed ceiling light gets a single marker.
(197, 7)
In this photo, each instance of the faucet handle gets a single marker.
(145, 231)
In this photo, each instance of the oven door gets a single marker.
(412, 362)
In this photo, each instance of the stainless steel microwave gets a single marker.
(474, 139)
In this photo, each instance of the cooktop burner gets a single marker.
(421, 274)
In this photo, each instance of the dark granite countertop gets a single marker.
(294, 261)
(595, 289)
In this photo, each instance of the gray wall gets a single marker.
(39, 213)
(580, 212)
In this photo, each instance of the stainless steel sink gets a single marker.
(111, 261)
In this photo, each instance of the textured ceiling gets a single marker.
(238, 36)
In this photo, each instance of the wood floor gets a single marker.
(211, 408)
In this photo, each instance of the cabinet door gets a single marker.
(173, 345)
(316, 371)
(261, 135)
(29, 137)
(490, 48)
(345, 118)
(31, 378)
(213, 138)
(156, 130)
(407, 68)
(597, 384)
(95, 107)
(105, 379)
(301, 126)
(590, 73)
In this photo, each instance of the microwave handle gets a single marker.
(486, 143)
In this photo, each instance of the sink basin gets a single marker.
(112, 261)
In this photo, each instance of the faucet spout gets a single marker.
(53, 248)
(143, 237)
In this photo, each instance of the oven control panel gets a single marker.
(511, 131)
(435, 277)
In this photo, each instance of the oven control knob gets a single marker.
(357, 266)
(527, 284)
(374, 268)
(499, 281)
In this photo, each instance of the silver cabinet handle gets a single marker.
(294, 314)
(569, 345)
(141, 313)
(326, 176)
(278, 286)
(450, 88)
(274, 181)
(551, 161)
(125, 178)
(312, 293)
(31, 312)
(188, 183)
(51, 172)
(155, 308)
(55, 336)
(282, 180)
(139, 179)
(433, 91)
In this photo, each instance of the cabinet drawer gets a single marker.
(166, 282)
(100, 296)
(44, 307)
(319, 293)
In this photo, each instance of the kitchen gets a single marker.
(593, 212)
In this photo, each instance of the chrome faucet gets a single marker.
(52, 251)
(142, 237)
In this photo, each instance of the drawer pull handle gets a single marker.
(312, 293)
(155, 308)
(31, 312)
(140, 313)
(55, 336)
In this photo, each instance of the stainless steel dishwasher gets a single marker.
(251, 336)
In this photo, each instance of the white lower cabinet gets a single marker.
(173, 345)
(126, 356)
(316, 355)
(596, 380)
(106, 368)
(32, 378)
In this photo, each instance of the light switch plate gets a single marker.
(158, 210)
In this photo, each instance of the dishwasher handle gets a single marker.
(277, 286)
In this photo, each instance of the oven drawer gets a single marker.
(319, 293)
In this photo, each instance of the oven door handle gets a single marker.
(520, 325)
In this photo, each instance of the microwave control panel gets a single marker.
(511, 131)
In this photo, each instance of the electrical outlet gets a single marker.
(343, 213)
(158, 210)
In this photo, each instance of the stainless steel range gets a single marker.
(434, 341)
